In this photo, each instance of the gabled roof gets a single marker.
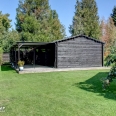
(34, 44)
(69, 38)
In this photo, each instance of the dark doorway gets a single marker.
(45, 55)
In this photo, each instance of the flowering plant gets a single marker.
(21, 63)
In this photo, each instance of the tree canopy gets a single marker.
(113, 15)
(37, 22)
(9, 39)
(4, 28)
(86, 19)
(108, 34)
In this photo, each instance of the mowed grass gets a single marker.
(73, 93)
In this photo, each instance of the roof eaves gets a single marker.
(72, 37)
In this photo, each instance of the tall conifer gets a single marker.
(35, 21)
(86, 19)
(113, 15)
(77, 27)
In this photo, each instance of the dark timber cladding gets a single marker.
(79, 51)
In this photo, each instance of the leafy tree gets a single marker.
(108, 34)
(111, 57)
(110, 61)
(113, 15)
(9, 39)
(4, 22)
(112, 31)
(4, 26)
(86, 19)
(37, 22)
(105, 36)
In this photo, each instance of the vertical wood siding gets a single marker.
(79, 52)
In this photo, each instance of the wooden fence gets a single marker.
(5, 57)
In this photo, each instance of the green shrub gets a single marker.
(110, 61)
(1, 53)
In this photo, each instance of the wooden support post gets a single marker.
(55, 62)
(15, 58)
(18, 52)
(34, 58)
(102, 55)
(19, 46)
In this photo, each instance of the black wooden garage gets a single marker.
(73, 52)
(79, 51)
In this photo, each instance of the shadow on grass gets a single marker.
(94, 85)
(6, 67)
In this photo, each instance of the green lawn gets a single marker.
(73, 93)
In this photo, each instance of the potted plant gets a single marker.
(21, 65)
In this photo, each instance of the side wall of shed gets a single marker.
(79, 52)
